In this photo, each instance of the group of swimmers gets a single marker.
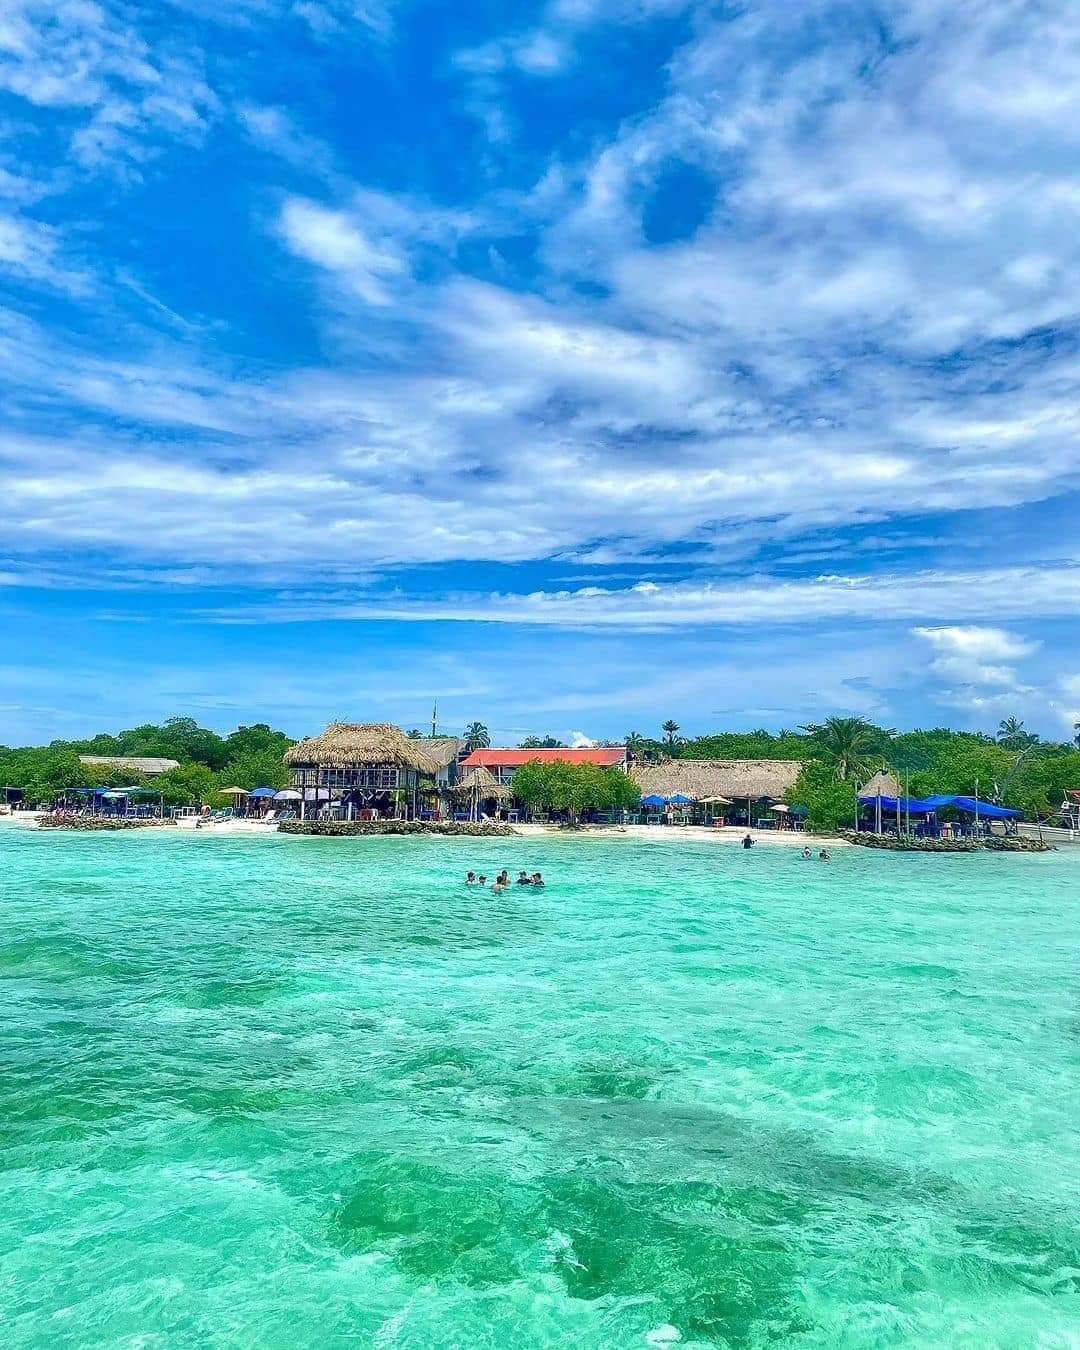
(502, 881)
(823, 856)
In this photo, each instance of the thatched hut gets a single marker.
(751, 782)
(882, 784)
(360, 766)
(480, 786)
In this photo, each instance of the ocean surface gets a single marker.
(316, 1093)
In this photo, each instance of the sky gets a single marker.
(578, 364)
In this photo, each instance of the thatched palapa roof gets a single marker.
(483, 781)
(734, 778)
(881, 785)
(442, 749)
(345, 744)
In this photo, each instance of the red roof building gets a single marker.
(503, 763)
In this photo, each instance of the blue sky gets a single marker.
(579, 363)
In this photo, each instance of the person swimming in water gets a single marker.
(470, 878)
(823, 856)
(748, 842)
(806, 852)
(537, 880)
(524, 879)
(481, 880)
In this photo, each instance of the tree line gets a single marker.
(249, 757)
(1014, 767)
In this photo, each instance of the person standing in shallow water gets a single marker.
(748, 842)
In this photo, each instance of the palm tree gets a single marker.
(1011, 733)
(671, 731)
(850, 744)
(635, 742)
(477, 737)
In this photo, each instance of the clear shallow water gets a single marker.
(298, 1092)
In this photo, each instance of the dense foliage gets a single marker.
(249, 757)
(574, 788)
(1015, 768)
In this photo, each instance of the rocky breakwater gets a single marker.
(99, 823)
(350, 828)
(991, 844)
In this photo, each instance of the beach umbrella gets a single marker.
(779, 806)
(233, 792)
(680, 799)
(654, 800)
(287, 795)
(715, 801)
(261, 793)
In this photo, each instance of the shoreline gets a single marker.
(729, 834)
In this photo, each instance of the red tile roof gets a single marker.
(513, 759)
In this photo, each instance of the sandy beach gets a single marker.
(731, 835)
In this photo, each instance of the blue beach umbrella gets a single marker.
(654, 800)
(680, 800)
(262, 793)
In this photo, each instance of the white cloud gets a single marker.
(758, 601)
(334, 240)
(32, 251)
(968, 654)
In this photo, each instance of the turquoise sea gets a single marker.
(316, 1093)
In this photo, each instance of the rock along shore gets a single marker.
(350, 828)
(993, 844)
(96, 823)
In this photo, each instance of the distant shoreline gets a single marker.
(729, 834)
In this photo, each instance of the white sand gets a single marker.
(729, 834)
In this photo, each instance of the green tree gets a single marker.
(829, 801)
(849, 745)
(573, 788)
(1011, 733)
(258, 739)
(188, 785)
(477, 737)
(671, 731)
(255, 768)
(541, 743)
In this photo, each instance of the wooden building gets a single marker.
(356, 767)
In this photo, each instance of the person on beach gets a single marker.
(748, 842)
(470, 878)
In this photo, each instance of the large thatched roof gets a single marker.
(881, 785)
(344, 744)
(735, 778)
(442, 749)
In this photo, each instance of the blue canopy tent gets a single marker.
(654, 801)
(930, 806)
(915, 805)
(680, 800)
(985, 810)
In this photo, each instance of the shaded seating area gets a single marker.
(922, 816)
